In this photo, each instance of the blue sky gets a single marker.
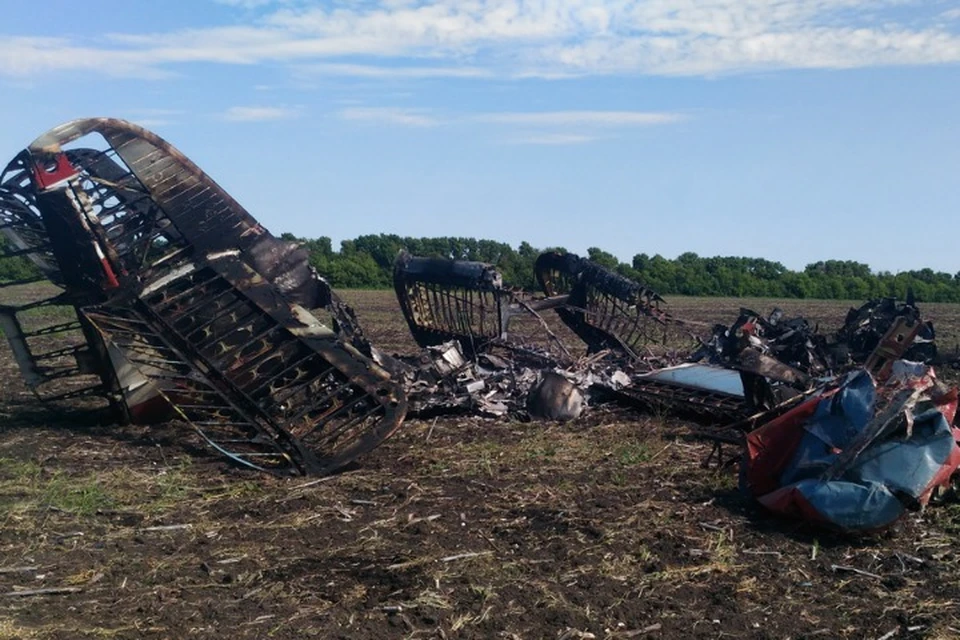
(795, 130)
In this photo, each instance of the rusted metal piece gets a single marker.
(892, 346)
(188, 306)
(154, 183)
(867, 326)
(605, 309)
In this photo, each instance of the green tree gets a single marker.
(367, 261)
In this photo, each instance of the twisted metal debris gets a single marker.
(456, 303)
(605, 309)
(738, 377)
(185, 305)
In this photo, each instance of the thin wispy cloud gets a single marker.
(259, 114)
(583, 118)
(152, 123)
(552, 139)
(390, 116)
(549, 128)
(246, 4)
(371, 71)
(154, 117)
(156, 111)
(510, 38)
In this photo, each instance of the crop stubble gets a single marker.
(459, 527)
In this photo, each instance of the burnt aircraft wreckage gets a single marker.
(466, 314)
(185, 306)
(631, 340)
(837, 430)
(178, 304)
(636, 350)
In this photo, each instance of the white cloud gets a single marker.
(509, 38)
(552, 127)
(149, 123)
(390, 115)
(372, 71)
(258, 114)
(552, 139)
(30, 56)
(155, 117)
(246, 4)
(581, 118)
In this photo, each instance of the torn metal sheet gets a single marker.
(893, 345)
(187, 305)
(858, 456)
(699, 376)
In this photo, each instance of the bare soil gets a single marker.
(608, 527)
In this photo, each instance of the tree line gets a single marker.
(366, 262)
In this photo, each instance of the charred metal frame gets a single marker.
(445, 300)
(702, 404)
(451, 299)
(188, 306)
(605, 309)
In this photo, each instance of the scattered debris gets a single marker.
(624, 326)
(741, 377)
(865, 327)
(780, 357)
